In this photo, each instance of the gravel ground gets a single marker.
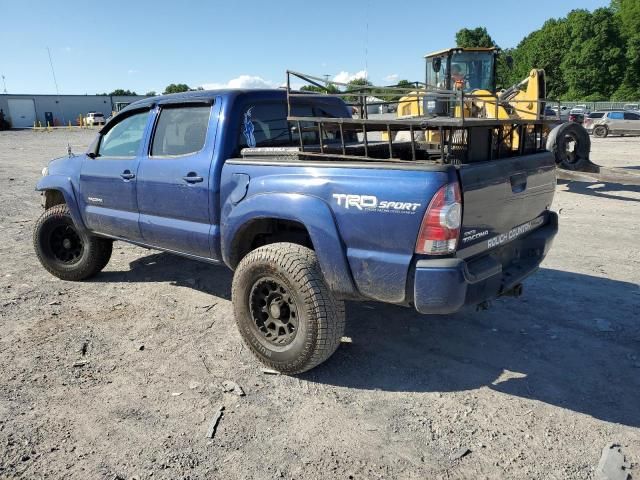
(119, 377)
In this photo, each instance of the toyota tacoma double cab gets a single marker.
(306, 217)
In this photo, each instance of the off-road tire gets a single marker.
(320, 316)
(94, 252)
(557, 143)
(600, 131)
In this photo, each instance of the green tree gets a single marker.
(151, 93)
(476, 37)
(330, 88)
(628, 14)
(594, 65)
(121, 92)
(176, 88)
(358, 85)
(545, 49)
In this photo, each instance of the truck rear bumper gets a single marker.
(443, 286)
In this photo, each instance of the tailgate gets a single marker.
(504, 199)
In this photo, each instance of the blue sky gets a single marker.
(145, 45)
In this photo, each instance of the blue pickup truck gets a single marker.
(220, 176)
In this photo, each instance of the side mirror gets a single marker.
(436, 64)
(92, 151)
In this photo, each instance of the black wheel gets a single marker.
(571, 145)
(600, 131)
(284, 310)
(64, 251)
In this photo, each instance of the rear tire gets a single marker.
(571, 145)
(66, 252)
(600, 131)
(284, 310)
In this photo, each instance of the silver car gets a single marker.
(615, 122)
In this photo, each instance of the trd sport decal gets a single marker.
(371, 203)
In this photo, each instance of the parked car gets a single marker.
(94, 118)
(582, 109)
(615, 122)
(550, 113)
(562, 111)
(592, 118)
(217, 176)
(576, 117)
(631, 106)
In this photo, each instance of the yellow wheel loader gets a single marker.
(461, 83)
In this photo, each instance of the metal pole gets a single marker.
(300, 136)
(288, 92)
(413, 143)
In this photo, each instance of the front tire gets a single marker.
(66, 252)
(284, 309)
(600, 131)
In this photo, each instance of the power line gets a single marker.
(55, 82)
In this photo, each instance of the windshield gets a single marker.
(472, 70)
(437, 79)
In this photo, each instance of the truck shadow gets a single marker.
(572, 340)
(611, 190)
(176, 270)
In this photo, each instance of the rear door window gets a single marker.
(631, 116)
(180, 130)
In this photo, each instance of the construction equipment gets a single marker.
(461, 83)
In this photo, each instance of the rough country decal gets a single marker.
(371, 203)
(248, 129)
(514, 233)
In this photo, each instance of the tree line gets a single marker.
(172, 88)
(590, 56)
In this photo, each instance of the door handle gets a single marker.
(192, 177)
(127, 175)
(518, 182)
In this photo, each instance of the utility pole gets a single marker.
(4, 83)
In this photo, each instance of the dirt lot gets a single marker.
(532, 388)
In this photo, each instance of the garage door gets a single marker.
(22, 112)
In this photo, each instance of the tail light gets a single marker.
(440, 227)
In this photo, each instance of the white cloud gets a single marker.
(392, 78)
(346, 77)
(131, 71)
(243, 81)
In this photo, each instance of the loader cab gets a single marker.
(465, 69)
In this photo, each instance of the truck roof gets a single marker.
(206, 95)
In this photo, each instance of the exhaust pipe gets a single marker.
(516, 291)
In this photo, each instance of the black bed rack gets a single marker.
(492, 137)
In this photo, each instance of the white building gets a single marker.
(22, 111)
